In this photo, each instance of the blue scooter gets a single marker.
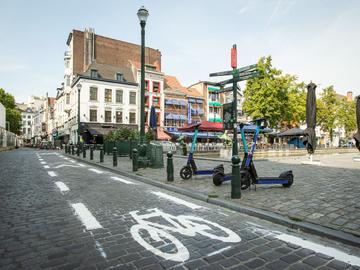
(248, 174)
(190, 168)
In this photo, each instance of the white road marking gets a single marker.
(40, 159)
(46, 166)
(218, 251)
(176, 200)
(86, 217)
(332, 252)
(99, 247)
(65, 165)
(52, 173)
(82, 165)
(223, 214)
(63, 188)
(43, 162)
(66, 158)
(337, 254)
(96, 171)
(122, 180)
(73, 161)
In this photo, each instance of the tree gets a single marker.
(13, 116)
(326, 112)
(346, 116)
(276, 97)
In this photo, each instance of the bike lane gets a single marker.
(140, 226)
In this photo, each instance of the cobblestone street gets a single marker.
(326, 195)
(58, 213)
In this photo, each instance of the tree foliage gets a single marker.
(326, 113)
(122, 134)
(276, 97)
(346, 116)
(13, 116)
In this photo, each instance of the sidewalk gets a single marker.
(324, 195)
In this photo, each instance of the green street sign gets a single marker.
(228, 113)
(230, 72)
(239, 79)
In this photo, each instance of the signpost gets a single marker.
(230, 109)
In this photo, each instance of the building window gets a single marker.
(156, 102)
(108, 116)
(132, 118)
(29, 131)
(119, 117)
(214, 96)
(67, 63)
(29, 116)
(108, 95)
(119, 77)
(119, 96)
(93, 94)
(93, 115)
(94, 73)
(67, 98)
(29, 123)
(67, 80)
(24, 130)
(156, 87)
(146, 85)
(147, 101)
(132, 98)
(24, 116)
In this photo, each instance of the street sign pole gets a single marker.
(235, 79)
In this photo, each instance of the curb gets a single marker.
(319, 230)
(215, 159)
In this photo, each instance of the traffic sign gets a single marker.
(231, 72)
(239, 79)
(233, 57)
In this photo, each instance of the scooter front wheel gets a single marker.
(186, 173)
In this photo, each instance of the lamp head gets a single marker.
(143, 14)
(78, 86)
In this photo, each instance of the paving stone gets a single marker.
(291, 258)
(277, 265)
(195, 264)
(255, 263)
(338, 264)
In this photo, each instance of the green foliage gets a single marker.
(276, 97)
(12, 115)
(326, 113)
(346, 116)
(149, 135)
(122, 134)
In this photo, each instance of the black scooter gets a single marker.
(248, 174)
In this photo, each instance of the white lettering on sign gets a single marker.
(147, 232)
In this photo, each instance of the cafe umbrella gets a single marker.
(309, 139)
(153, 121)
(357, 134)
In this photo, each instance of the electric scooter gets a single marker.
(190, 168)
(248, 174)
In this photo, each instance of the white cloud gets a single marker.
(11, 67)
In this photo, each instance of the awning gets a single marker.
(215, 103)
(199, 101)
(204, 126)
(94, 132)
(291, 132)
(169, 116)
(215, 120)
(161, 135)
(168, 101)
(252, 129)
(213, 89)
(192, 100)
(201, 135)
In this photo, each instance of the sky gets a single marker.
(316, 40)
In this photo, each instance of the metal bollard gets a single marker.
(101, 154)
(78, 150)
(72, 150)
(91, 152)
(135, 160)
(236, 180)
(170, 167)
(114, 157)
(65, 149)
(84, 152)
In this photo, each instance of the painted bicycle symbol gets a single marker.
(158, 239)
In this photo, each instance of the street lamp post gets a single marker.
(78, 116)
(142, 15)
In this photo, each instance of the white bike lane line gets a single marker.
(176, 200)
(318, 248)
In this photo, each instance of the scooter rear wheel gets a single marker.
(186, 173)
(290, 176)
(218, 178)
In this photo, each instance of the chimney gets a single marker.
(349, 95)
(89, 47)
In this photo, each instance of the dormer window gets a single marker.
(94, 73)
(119, 77)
